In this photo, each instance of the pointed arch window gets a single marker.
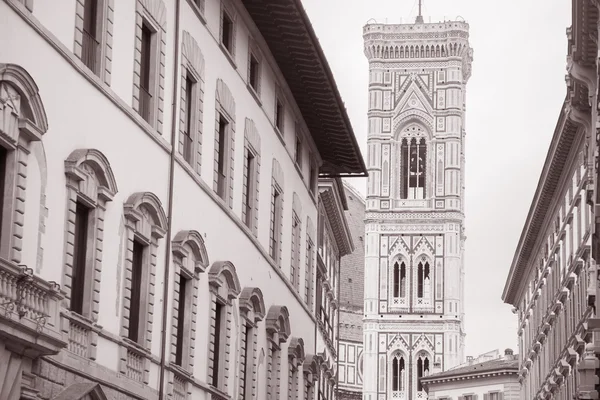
(414, 156)
(399, 279)
(398, 372)
(423, 280)
(422, 370)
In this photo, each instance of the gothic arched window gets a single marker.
(398, 372)
(414, 156)
(399, 280)
(422, 370)
(423, 280)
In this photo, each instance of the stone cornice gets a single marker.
(469, 376)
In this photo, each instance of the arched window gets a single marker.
(423, 280)
(414, 156)
(398, 372)
(399, 279)
(422, 370)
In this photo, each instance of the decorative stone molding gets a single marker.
(22, 121)
(154, 14)
(145, 221)
(224, 288)
(252, 311)
(103, 36)
(190, 259)
(192, 67)
(277, 185)
(90, 181)
(251, 149)
(225, 108)
(278, 331)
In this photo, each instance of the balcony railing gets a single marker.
(145, 104)
(30, 306)
(90, 50)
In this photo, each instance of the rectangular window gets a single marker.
(217, 344)
(137, 265)
(294, 275)
(78, 275)
(298, 157)
(246, 373)
(90, 46)
(249, 197)
(145, 71)
(181, 316)
(227, 34)
(253, 73)
(313, 177)
(221, 160)
(279, 115)
(309, 272)
(189, 119)
(275, 227)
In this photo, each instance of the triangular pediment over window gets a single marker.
(414, 100)
(82, 391)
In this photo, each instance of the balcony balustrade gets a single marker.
(30, 310)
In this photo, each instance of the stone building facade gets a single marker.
(414, 222)
(491, 376)
(350, 357)
(169, 171)
(553, 279)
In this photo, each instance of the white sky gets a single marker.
(513, 101)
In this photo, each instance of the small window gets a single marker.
(275, 226)
(183, 286)
(227, 32)
(146, 55)
(189, 119)
(298, 157)
(313, 178)
(217, 344)
(221, 159)
(78, 277)
(279, 114)
(90, 45)
(250, 189)
(137, 266)
(253, 73)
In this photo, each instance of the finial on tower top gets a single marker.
(419, 19)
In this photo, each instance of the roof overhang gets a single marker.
(331, 192)
(548, 187)
(289, 34)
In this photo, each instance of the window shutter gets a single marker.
(486, 396)
(501, 396)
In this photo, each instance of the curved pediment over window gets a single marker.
(223, 277)
(278, 322)
(22, 112)
(145, 210)
(296, 351)
(91, 169)
(190, 245)
(251, 301)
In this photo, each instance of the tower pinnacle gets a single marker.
(419, 19)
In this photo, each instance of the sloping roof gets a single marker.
(289, 34)
(497, 365)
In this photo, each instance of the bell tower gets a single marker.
(414, 294)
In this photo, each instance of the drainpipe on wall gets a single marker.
(163, 335)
